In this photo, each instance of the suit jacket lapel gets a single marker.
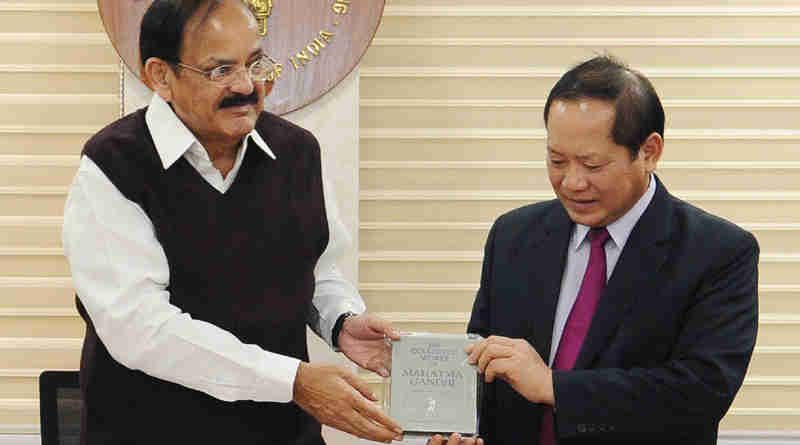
(635, 275)
(544, 257)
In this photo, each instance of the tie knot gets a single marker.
(598, 237)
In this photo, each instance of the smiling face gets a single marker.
(217, 113)
(595, 179)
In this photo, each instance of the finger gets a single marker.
(479, 347)
(378, 365)
(368, 328)
(477, 350)
(367, 429)
(382, 328)
(372, 412)
(368, 409)
(474, 340)
(493, 352)
(370, 429)
(359, 385)
(480, 441)
(455, 439)
(500, 340)
(435, 440)
(497, 368)
(342, 422)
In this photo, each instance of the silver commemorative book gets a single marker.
(433, 389)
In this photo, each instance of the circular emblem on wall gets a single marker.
(317, 43)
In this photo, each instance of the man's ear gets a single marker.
(651, 150)
(158, 75)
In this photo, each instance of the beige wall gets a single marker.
(59, 83)
(451, 135)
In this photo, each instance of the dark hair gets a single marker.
(163, 24)
(637, 109)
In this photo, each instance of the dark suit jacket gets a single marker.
(670, 341)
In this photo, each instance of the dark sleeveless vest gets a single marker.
(243, 261)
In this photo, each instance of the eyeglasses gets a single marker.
(260, 70)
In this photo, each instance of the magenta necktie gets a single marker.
(580, 318)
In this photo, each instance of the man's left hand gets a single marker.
(517, 363)
(365, 339)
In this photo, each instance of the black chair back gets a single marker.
(60, 407)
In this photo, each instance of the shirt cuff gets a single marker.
(277, 374)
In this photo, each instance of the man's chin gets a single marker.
(590, 219)
(240, 127)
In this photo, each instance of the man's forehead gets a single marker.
(221, 16)
(215, 31)
(585, 113)
(583, 106)
(207, 9)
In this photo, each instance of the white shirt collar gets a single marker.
(173, 139)
(620, 229)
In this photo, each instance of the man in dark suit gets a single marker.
(616, 313)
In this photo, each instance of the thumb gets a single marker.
(382, 327)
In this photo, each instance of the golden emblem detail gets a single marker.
(262, 10)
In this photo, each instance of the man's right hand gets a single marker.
(336, 397)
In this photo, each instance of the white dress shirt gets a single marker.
(578, 260)
(121, 274)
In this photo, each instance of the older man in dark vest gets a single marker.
(201, 247)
